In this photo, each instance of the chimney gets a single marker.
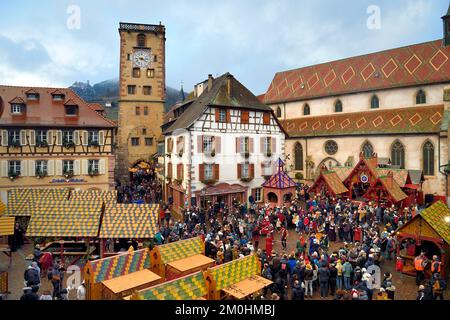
(229, 88)
(210, 81)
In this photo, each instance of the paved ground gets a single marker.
(406, 287)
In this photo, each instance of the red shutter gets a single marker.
(182, 172)
(244, 117)
(217, 142)
(266, 118)
(273, 141)
(201, 172)
(250, 145)
(239, 170)
(200, 144)
(217, 114)
(169, 170)
(228, 116)
(252, 170)
(216, 171)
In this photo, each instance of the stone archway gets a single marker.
(329, 162)
(272, 197)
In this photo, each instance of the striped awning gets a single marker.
(6, 226)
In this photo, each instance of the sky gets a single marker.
(43, 43)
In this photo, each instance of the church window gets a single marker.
(398, 155)
(331, 147)
(278, 112)
(306, 110)
(367, 149)
(428, 159)
(421, 98)
(374, 102)
(298, 151)
(338, 106)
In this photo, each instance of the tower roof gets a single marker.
(280, 179)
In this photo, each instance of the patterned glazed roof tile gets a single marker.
(405, 120)
(22, 202)
(187, 288)
(416, 64)
(119, 265)
(435, 215)
(235, 271)
(180, 249)
(65, 219)
(2, 208)
(129, 220)
(6, 226)
(105, 196)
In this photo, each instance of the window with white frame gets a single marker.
(267, 168)
(67, 136)
(245, 145)
(14, 137)
(16, 108)
(222, 115)
(258, 195)
(41, 137)
(267, 145)
(41, 167)
(68, 166)
(14, 167)
(245, 170)
(93, 166)
(208, 174)
(207, 144)
(93, 138)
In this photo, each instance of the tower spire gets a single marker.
(446, 25)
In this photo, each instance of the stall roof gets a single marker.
(2, 208)
(180, 249)
(393, 188)
(6, 226)
(191, 287)
(105, 196)
(342, 172)
(190, 263)
(131, 280)
(119, 265)
(436, 215)
(333, 181)
(247, 287)
(65, 219)
(235, 271)
(130, 220)
(21, 202)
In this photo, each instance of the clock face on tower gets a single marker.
(141, 58)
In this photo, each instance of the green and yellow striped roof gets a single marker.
(22, 202)
(2, 208)
(88, 195)
(235, 271)
(129, 220)
(187, 288)
(436, 215)
(181, 249)
(65, 219)
(6, 226)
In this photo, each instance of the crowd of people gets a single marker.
(144, 188)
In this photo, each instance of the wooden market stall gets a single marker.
(328, 184)
(386, 188)
(236, 279)
(127, 221)
(190, 287)
(279, 188)
(428, 231)
(96, 272)
(176, 259)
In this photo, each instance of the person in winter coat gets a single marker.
(32, 276)
(347, 270)
(439, 286)
(339, 277)
(297, 291)
(333, 277)
(324, 278)
(29, 295)
(308, 280)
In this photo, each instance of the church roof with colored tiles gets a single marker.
(119, 265)
(334, 182)
(403, 120)
(435, 215)
(65, 219)
(180, 249)
(130, 220)
(417, 64)
(187, 288)
(235, 271)
(393, 188)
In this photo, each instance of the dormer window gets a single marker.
(71, 110)
(17, 108)
(58, 97)
(32, 96)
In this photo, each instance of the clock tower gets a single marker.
(141, 93)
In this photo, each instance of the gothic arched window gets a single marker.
(278, 112)
(338, 106)
(398, 154)
(298, 156)
(367, 149)
(306, 110)
(428, 158)
(421, 97)
(374, 102)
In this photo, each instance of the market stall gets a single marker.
(279, 188)
(180, 258)
(6, 230)
(328, 184)
(236, 279)
(127, 221)
(98, 271)
(428, 231)
(191, 287)
(386, 189)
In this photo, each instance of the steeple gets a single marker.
(183, 97)
(446, 23)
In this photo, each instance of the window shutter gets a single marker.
(5, 138)
(31, 168)
(102, 166)
(50, 137)
(84, 167)
(200, 144)
(266, 118)
(58, 167)
(216, 171)
(239, 170)
(32, 135)
(238, 145)
(228, 116)
(261, 145)
(85, 138)
(217, 142)
(24, 168)
(169, 170)
(250, 145)
(244, 117)
(58, 137)
(4, 167)
(263, 169)
(23, 137)
(201, 172)
(76, 167)
(76, 137)
(51, 167)
(101, 137)
(217, 111)
(273, 141)
(252, 170)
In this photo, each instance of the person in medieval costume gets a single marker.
(269, 243)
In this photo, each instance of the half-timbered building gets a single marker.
(220, 144)
(52, 138)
